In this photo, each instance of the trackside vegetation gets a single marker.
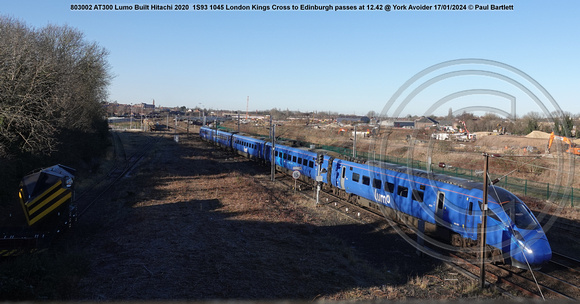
(52, 86)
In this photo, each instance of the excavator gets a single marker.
(571, 146)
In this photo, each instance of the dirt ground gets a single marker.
(193, 223)
(523, 157)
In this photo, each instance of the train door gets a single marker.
(470, 229)
(440, 206)
(342, 176)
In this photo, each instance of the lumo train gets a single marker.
(440, 202)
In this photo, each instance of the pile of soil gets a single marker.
(538, 134)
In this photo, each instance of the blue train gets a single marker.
(448, 206)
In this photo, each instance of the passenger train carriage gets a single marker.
(443, 203)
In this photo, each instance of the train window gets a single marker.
(377, 183)
(390, 187)
(366, 180)
(422, 187)
(355, 177)
(470, 212)
(311, 164)
(300, 160)
(294, 158)
(418, 195)
(402, 191)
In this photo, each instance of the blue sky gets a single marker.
(347, 62)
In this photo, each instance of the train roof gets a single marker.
(457, 181)
(37, 182)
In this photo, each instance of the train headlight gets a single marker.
(520, 241)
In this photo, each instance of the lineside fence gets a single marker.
(525, 187)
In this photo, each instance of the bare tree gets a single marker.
(51, 80)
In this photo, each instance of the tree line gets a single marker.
(52, 86)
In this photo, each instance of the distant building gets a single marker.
(425, 123)
(404, 124)
(353, 120)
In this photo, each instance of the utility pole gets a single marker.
(354, 143)
(248, 106)
(484, 220)
(272, 154)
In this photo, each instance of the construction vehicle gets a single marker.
(501, 130)
(571, 147)
(464, 134)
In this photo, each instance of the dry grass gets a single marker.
(192, 223)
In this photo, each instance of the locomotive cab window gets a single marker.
(311, 164)
(490, 212)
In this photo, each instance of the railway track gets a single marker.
(122, 165)
(559, 280)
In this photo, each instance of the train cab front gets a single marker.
(530, 249)
(529, 245)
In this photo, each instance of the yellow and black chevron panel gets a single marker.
(9, 252)
(13, 246)
(45, 203)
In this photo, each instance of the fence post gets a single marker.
(548, 191)
(525, 187)
(572, 197)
